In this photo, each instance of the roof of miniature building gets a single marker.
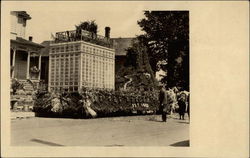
(23, 14)
(20, 40)
(83, 35)
(121, 44)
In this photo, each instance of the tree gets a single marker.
(90, 26)
(167, 41)
(137, 67)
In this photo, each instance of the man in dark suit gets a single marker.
(163, 103)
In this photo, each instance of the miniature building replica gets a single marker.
(81, 59)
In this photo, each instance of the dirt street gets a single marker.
(116, 131)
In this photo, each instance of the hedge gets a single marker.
(104, 103)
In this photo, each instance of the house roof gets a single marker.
(45, 50)
(121, 44)
(20, 40)
(23, 14)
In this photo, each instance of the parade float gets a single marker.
(82, 88)
(95, 103)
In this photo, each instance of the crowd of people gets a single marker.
(173, 100)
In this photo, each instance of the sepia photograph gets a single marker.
(92, 85)
(112, 78)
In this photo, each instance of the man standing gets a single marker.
(163, 103)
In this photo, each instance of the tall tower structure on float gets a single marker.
(80, 59)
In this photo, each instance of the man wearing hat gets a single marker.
(163, 103)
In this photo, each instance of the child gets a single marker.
(182, 105)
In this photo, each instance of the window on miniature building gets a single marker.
(75, 88)
(70, 89)
(57, 49)
(67, 48)
(77, 47)
(61, 49)
(71, 48)
(53, 50)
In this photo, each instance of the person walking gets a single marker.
(163, 103)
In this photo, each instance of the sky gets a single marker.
(51, 17)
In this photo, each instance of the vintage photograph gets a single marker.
(117, 79)
(96, 77)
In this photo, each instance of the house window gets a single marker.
(20, 20)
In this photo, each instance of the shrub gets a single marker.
(16, 85)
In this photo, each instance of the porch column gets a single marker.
(28, 66)
(39, 66)
(13, 63)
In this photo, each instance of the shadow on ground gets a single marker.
(154, 119)
(183, 122)
(45, 142)
(113, 145)
(181, 144)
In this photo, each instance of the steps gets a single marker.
(21, 102)
(27, 85)
(23, 99)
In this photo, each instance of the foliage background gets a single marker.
(163, 46)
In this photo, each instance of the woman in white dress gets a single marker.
(87, 107)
